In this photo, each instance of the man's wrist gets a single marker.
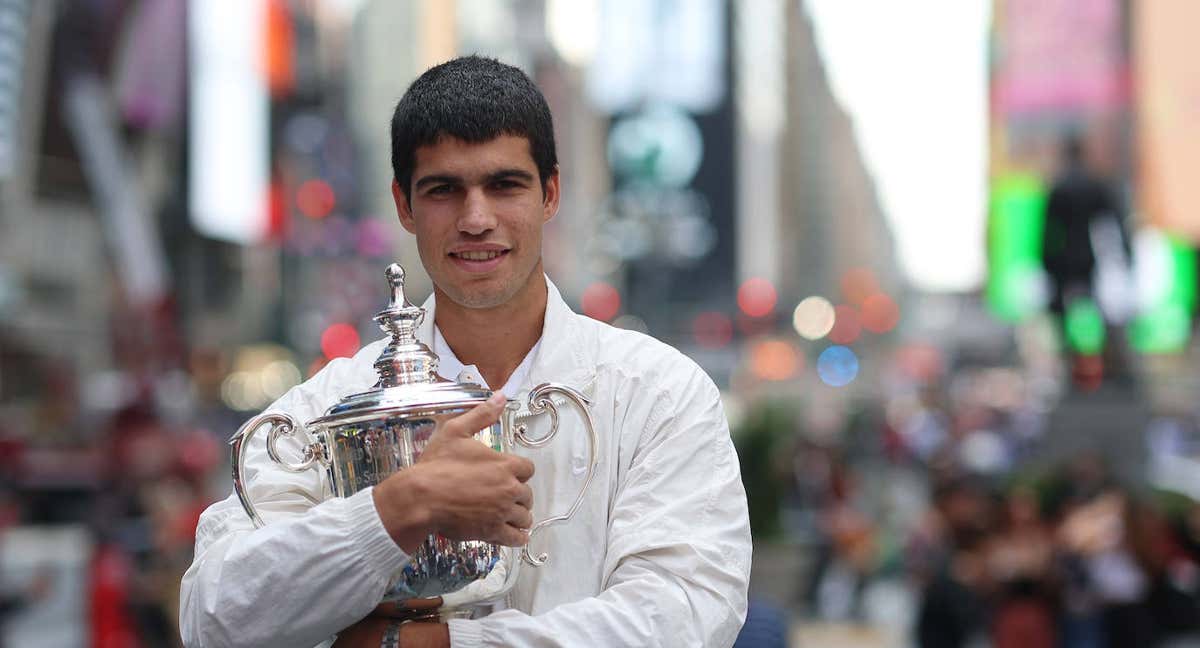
(391, 636)
(424, 635)
(401, 509)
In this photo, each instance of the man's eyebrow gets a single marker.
(508, 174)
(437, 179)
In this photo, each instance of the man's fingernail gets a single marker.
(497, 399)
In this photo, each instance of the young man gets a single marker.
(659, 552)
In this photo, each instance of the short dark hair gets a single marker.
(475, 99)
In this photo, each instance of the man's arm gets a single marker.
(267, 587)
(678, 555)
(314, 570)
(293, 583)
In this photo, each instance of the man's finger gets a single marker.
(520, 517)
(511, 536)
(522, 468)
(525, 496)
(479, 417)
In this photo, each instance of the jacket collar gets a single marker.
(562, 355)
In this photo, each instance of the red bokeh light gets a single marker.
(339, 341)
(847, 325)
(880, 313)
(315, 198)
(756, 297)
(601, 301)
(712, 330)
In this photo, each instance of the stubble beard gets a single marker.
(488, 294)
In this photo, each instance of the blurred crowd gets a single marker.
(1075, 560)
(947, 521)
(134, 485)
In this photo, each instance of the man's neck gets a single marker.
(497, 339)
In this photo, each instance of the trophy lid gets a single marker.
(407, 368)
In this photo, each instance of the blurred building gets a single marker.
(833, 222)
(55, 296)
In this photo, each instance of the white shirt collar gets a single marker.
(570, 364)
(451, 368)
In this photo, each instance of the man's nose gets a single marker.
(477, 216)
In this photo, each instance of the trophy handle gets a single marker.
(281, 425)
(539, 401)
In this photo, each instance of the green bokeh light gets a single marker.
(1166, 325)
(1085, 327)
(1015, 246)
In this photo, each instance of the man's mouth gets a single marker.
(478, 255)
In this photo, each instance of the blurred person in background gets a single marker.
(1084, 231)
(659, 553)
(1020, 572)
(951, 549)
(14, 599)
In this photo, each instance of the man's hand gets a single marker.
(459, 487)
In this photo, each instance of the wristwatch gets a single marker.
(391, 636)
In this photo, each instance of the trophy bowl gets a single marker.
(366, 437)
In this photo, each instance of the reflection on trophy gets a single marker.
(366, 437)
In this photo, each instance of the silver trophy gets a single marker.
(368, 436)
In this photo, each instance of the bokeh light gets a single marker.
(847, 325)
(315, 198)
(712, 330)
(601, 301)
(837, 366)
(813, 318)
(278, 377)
(756, 297)
(774, 360)
(858, 284)
(241, 391)
(1085, 326)
(339, 341)
(880, 313)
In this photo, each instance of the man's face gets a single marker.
(477, 210)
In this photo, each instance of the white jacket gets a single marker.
(657, 555)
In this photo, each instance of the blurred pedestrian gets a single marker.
(1084, 231)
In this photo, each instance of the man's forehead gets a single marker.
(450, 154)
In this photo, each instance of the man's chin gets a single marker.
(482, 293)
(479, 299)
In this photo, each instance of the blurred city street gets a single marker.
(939, 256)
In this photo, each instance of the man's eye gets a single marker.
(506, 184)
(440, 189)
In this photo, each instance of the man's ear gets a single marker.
(553, 192)
(403, 208)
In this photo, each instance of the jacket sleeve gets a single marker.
(311, 571)
(678, 546)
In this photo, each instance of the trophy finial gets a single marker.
(395, 279)
(405, 360)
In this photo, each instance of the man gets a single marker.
(659, 552)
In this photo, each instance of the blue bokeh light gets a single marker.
(837, 366)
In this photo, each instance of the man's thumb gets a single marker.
(476, 419)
